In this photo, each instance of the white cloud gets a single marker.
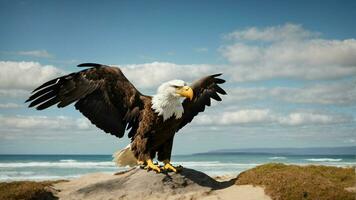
(83, 123)
(43, 123)
(10, 105)
(25, 75)
(36, 53)
(235, 117)
(290, 52)
(350, 140)
(201, 49)
(275, 33)
(341, 93)
(334, 93)
(247, 93)
(151, 75)
(304, 118)
(13, 93)
(266, 116)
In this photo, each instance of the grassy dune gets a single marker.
(301, 182)
(26, 190)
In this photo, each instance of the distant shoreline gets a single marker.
(317, 151)
(270, 154)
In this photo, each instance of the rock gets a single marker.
(140, 184)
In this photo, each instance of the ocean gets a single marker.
(52, 167)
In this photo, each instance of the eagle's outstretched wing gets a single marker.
(204, 89)
(102, 94)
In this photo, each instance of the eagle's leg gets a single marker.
(151, 166)
(168, 166)
(164, 155)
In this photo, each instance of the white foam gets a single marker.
(36, 177)
(277, 158)
(14, 173)
(215, 164)
(67, 160)
(324, 159)
(66, 164)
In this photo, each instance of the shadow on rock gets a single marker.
(201, 179)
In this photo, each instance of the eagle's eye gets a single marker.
(176, 86)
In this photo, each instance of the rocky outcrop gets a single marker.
(140, 184)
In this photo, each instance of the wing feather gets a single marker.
(40, 93)
(101, 93)
(205, 89)
(45, 97)
(48, 103)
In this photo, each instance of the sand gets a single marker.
(281, 181)
(140, 184)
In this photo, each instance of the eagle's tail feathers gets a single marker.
(125, 157)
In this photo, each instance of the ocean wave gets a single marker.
(20, 176)
(16, 173)
(277, 158)
(68, 164)
(37, 177)
(324, 159)
(111, 165)
(67, 160)
(215, 164)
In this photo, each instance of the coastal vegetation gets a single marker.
(294, 182)
(27, 190)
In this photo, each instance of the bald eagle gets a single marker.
(110, 101)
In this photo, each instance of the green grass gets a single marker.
(293, 182)
(26, 190)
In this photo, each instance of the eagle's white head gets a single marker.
(168, 100)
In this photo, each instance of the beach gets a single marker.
(265, 182)
(243, 176)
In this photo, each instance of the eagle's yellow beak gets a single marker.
(185, 91)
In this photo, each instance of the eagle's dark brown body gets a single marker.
(155, 135)
(105, 96)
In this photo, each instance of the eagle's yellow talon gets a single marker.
(168, 166)
(151, 166)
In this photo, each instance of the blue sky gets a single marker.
(290, 68)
